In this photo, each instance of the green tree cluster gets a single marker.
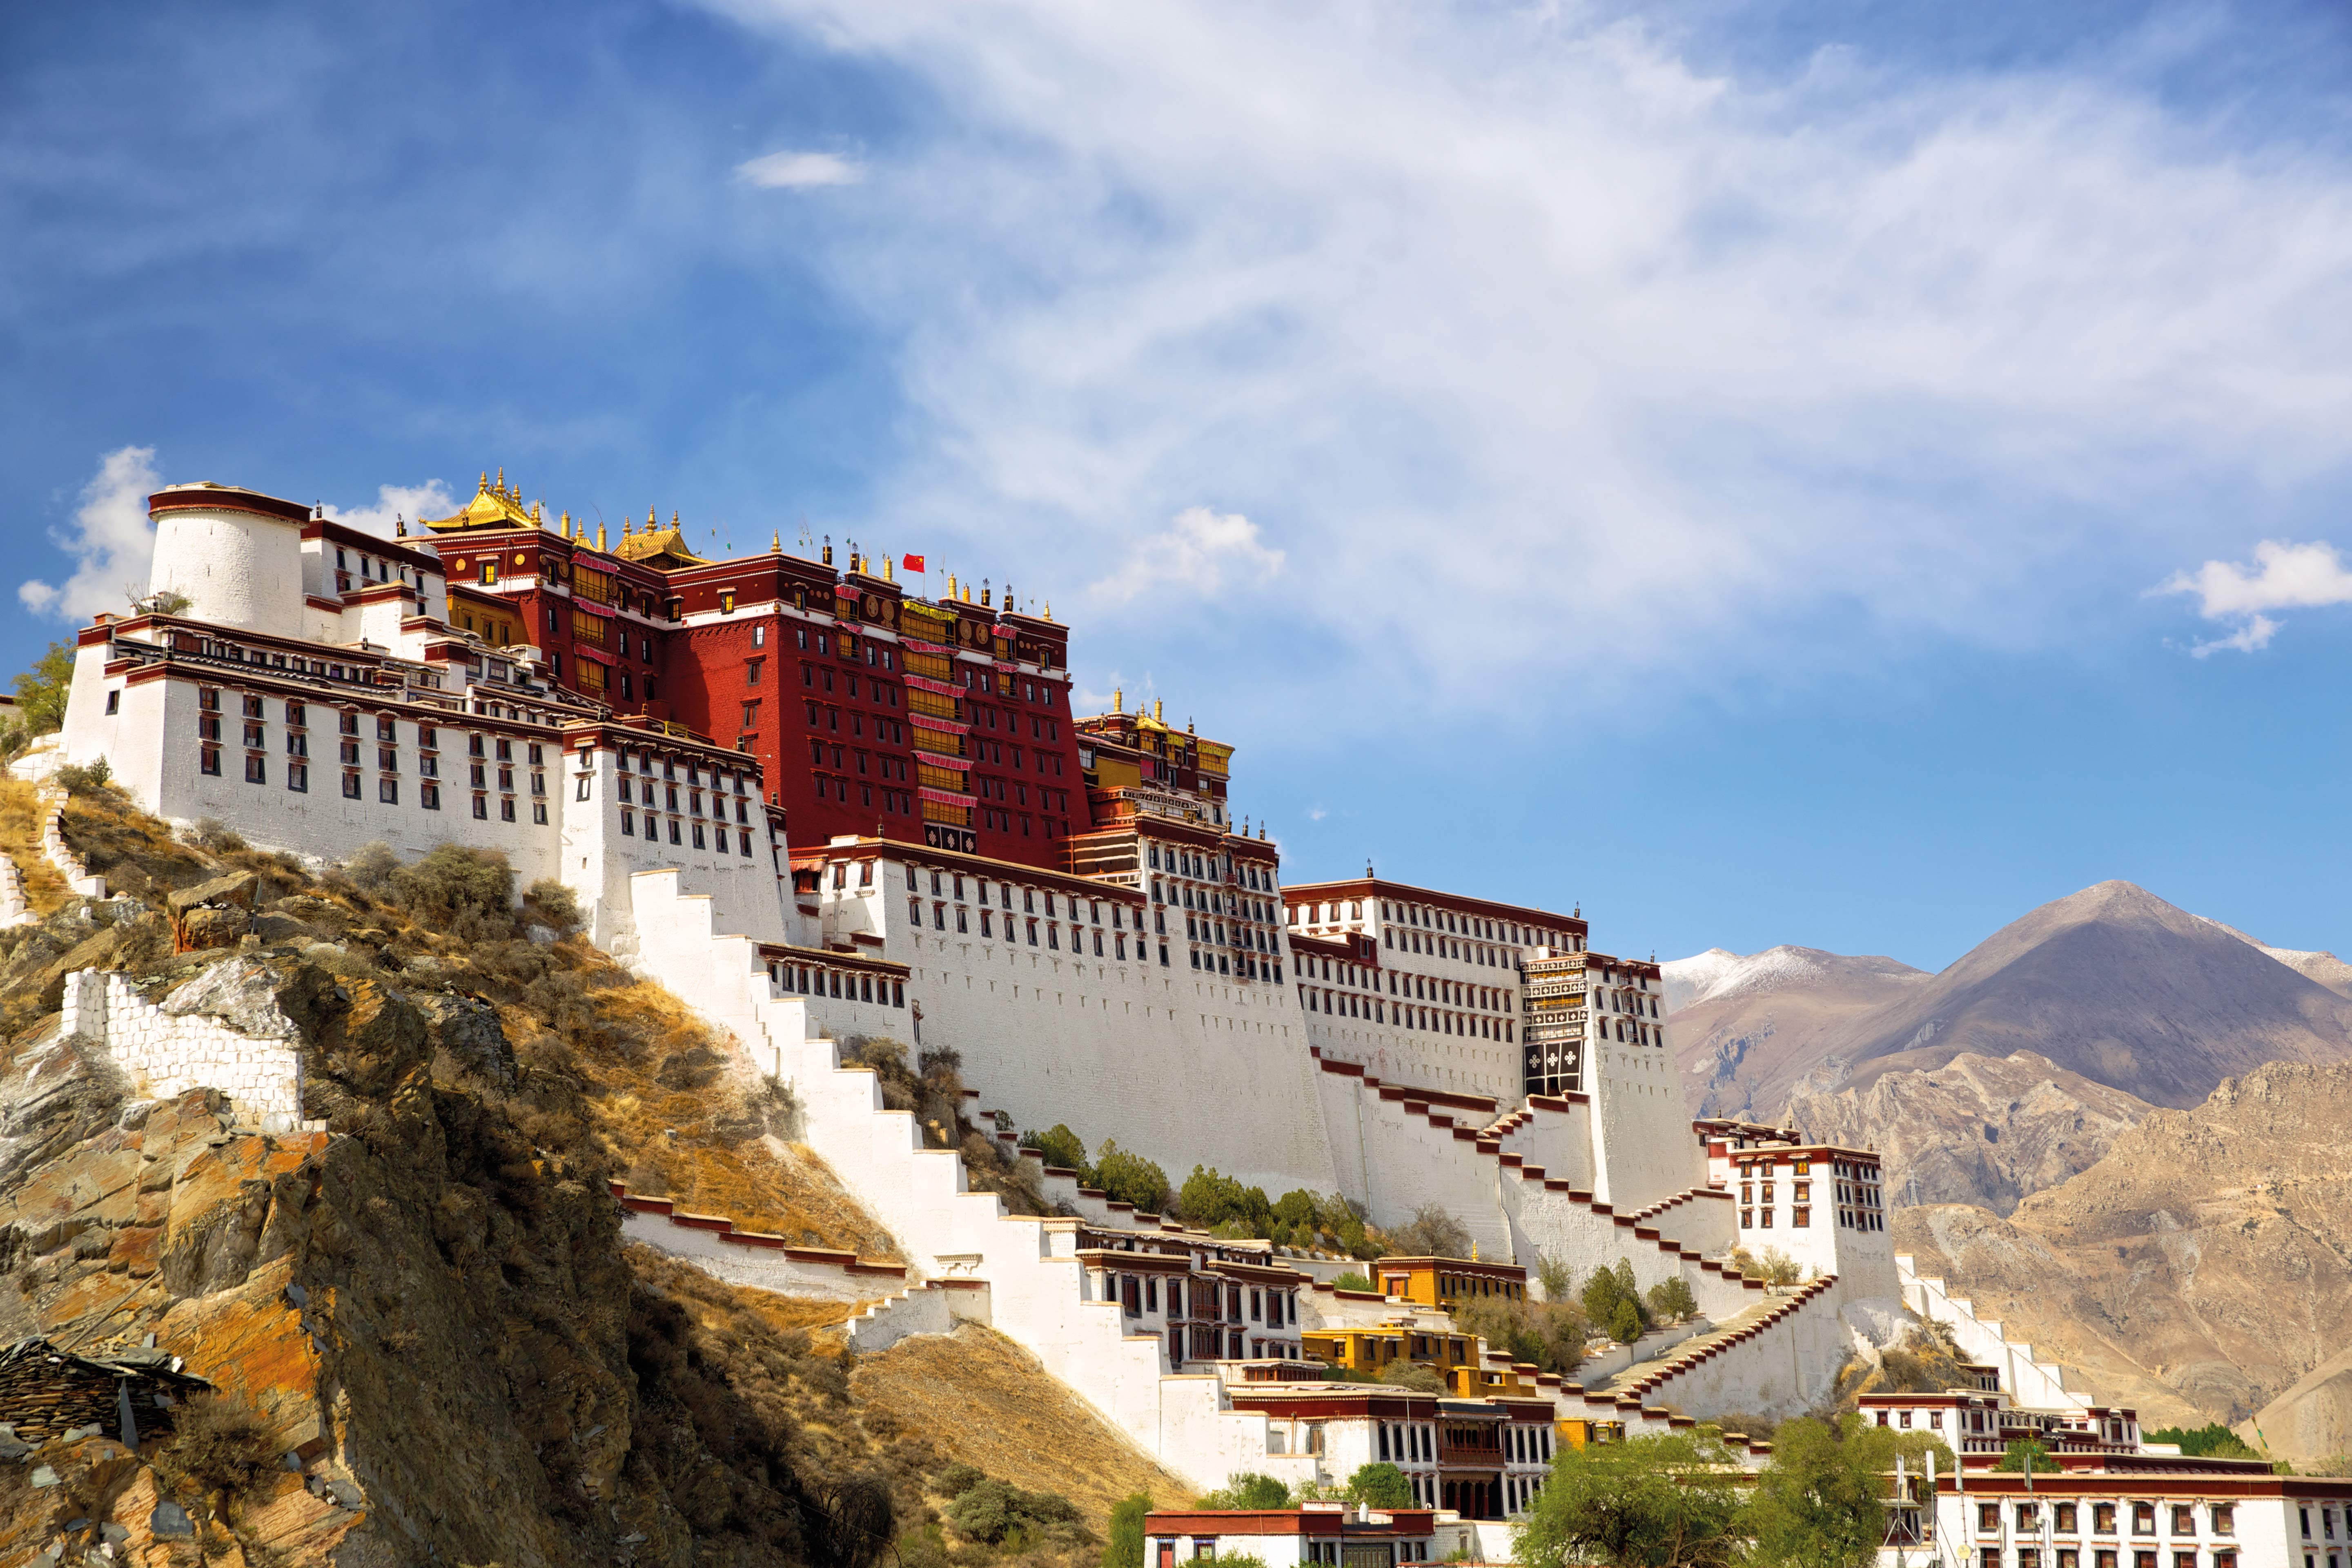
(1677, 1500)
(1000, 1513)
(1612, 1302)
(1129, 1178)
(2211, 1441)
(1377, 1485)
(1549, 1334)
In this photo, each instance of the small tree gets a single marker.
(1063, 1150)
(1673, 1299)
(1431, 1233)
(2027, 1457)
(1554, 1277)
(1380, 1485)
(1124, 1547)
(41, 690)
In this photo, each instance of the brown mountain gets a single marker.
(1978, 1129)
(2204, 1265)
(1734, 1018)
(2112, 984)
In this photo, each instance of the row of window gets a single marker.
(816, 980)
(1428, 1019)
(644, 795)
(2109, 1557)
(1800, 1216)
(387, 787)
(2180, 1519)
(653, 828)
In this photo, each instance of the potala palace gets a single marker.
(818, 806)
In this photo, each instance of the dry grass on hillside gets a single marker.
(20, 839)
(986, 1402)
(698, 1129)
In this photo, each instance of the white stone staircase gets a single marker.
(2034, 1384)
(947, 1232)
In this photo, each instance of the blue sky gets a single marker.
(1765, 472)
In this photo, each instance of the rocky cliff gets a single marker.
(1977, 1129)
(2199, 1269)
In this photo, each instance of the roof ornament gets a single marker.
(1261, 837)
(600, 535)
(1119, 700)
(399, 526)
(484, 488)
(776, 545)
(1577, 914)
(984, 591)
(1367, 869)
(318, 509)
(502, 481)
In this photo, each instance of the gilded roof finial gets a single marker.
(1119, 700)
(563, 525)
(673, 523)
(777, 544)
(600, 536)
(537, 520)
(1158, 712)
(483, 489)
(399, 526)
(1049, 609)
(502, 481)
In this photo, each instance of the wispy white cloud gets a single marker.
(790, 171)
(2284, 575)
(1201, 553)
(111, 541)
(1625, 363)
(396, 503)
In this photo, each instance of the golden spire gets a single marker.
(502, 481)
(1156, 712)
(564, 525)
(484, 488)
(600, 536)
(1049, 609)
(889, 569)
(537, 520)
(652, 520)
(1119, 700)
(777, 544)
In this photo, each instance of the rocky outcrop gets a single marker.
(1976, 1130)
(2199, 1270)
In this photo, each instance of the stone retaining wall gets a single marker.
(168, 1053)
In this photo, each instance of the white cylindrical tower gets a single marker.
(235, 555)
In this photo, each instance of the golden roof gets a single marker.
(494, 506)
(662, 549)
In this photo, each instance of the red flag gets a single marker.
(911, 563)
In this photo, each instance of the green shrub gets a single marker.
(78, 778)
(1353, 1281)
(1130, 1178)
(1673, 1299)
(1247, 1489)
(553, 905)
(1063, 1150)
(1380, 1485)
(992, 1510)
(2027, 1457)
(461, 892)
(1125, 1547)
(2211, 1441)
(370, 865)
(1626, 1326)
(957, 1479)
(1210, 1199)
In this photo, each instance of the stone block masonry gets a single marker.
(167, 1053)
